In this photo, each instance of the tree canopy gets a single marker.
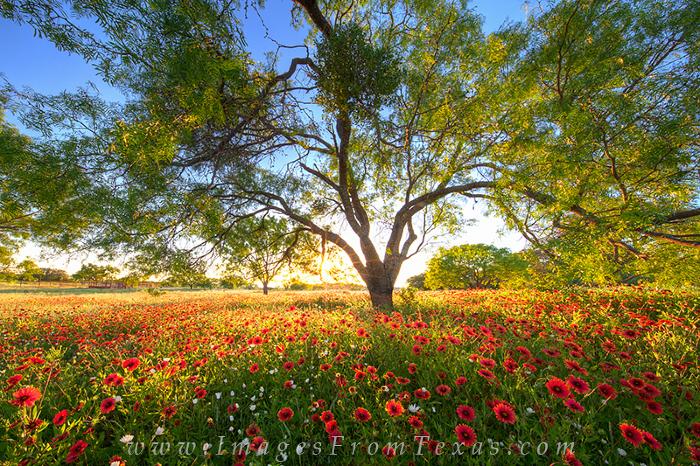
(258, 249)
(474, 266)
(579, 126)
(97, 273)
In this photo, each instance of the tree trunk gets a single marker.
(382, 299)
(265, 288)
(381, 287)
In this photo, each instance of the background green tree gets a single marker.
(28, 271)
(474, 266)
(602, 159)
(416, 281)
(95, 273)
(54, 275)
(259, 249)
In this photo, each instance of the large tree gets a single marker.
(259, 249)
(603, 147)
(367, 138)
(44, 195)
(581, 123)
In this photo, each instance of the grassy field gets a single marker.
(476, 377)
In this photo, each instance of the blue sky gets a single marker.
(28, 61)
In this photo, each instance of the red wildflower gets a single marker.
(655, 407)
(331, 426)
(578, 385)
(415, 422)
(570, 458)
(607, 391)
(327, 416)
(14, 380)
(574, 405)
(388, 452)
(394, 408)
(169, 411)
(466, 413)
(510, 365)
(487, 362)
(631, 434)
(252, 430)
(254, 368)
(26, 396)
(694, 452)
(443, 390)
(362, 415)
(131, 364)
(256, 443)
(465, 435)
(60, 417)
(505, 413)
(76, 450)
(421, 394)
(558, 387)
(695, 429)
(108, 405)
(285, 414)
(114, 380)
(651, 441)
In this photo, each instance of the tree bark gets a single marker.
(266, 290)
(382, 299)
(380, 286)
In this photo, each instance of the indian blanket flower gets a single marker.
(26, 397)
(131, 364)
(443, 390)
(60, 417)
(285, 414)
(465, 435)
(13, 380)
(607, 391)
(505, 413)
(574, 405)
(394, 408)
(466, 413)
(650, 440)
(108, 405)
(558, 388)
(362, 415)
(631, 434)
(578, 385)
(76, 450)
(570, 459)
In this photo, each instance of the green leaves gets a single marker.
(475, 266)
(354, 75)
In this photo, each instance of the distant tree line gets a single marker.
(484, 266)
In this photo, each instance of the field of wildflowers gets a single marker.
(478, 377)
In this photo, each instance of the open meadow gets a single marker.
(471, 377)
